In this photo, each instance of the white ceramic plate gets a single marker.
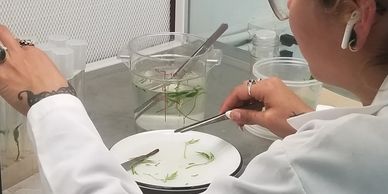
(170, 159)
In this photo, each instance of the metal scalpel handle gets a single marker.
(131, 163)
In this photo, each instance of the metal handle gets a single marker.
(181, 71)
(255, 105)
(208, 121)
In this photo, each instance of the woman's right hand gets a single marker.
(280, 103)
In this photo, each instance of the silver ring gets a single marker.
(27, 42)
(250, 83)
(3, 54)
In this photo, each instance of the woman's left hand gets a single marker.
(25, 68)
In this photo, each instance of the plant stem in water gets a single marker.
(16, 138)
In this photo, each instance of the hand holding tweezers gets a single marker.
(256, 105)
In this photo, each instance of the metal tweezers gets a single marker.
(256, 105)
(215, 119)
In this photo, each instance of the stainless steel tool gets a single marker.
(256, 105)
(215, 119)
(181, 71)
(128, 165)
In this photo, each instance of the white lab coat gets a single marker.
(341, 150)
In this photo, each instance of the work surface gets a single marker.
(109, 105)
(111, 108)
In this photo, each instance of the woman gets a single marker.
(341, 150)
(333, 151)
(320, 27)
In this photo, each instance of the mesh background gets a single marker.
(105, 24)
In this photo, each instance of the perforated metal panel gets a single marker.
(105, 24)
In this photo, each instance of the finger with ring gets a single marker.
(250, 83)
(3, 54)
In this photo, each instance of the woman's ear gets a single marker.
(367, 9)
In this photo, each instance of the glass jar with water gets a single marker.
(162, 99)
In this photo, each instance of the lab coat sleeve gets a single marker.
(72, 157)
(268, 173)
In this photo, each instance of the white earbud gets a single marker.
(354, 18)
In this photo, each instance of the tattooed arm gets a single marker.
(67, 144)
(34, 98)
(27, 75)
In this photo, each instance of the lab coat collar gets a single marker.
(379, 102)
(382, 94)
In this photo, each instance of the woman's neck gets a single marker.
(367, 84)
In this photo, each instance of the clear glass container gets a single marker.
(264, 40)
(18, 160)
(295, 73)
(153, 60)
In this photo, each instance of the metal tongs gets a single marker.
(181, 71)
(255, 105)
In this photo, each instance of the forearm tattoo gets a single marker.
(34, 98)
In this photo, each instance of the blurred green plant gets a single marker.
(16, 135)
(178, 99)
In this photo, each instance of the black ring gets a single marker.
(3, 54)
(27, 42)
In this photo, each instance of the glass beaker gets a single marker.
(264, 41)
(153, 61)
(16, 151)
(295, 74)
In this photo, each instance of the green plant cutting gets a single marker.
(178, 99)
